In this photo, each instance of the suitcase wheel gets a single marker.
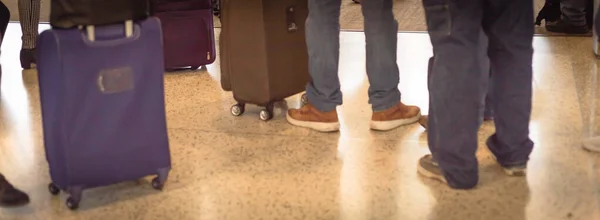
(267, 113)
(304, 99)
(156, 184)
(238, 109)
(72, 203)
(54, 190)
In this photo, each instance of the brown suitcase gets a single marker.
(263, 51)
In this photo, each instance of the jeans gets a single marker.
(573, 12)
(323, 42)
(458, 86)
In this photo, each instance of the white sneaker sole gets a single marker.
(515, 172)
(318, 126)
(389, 125)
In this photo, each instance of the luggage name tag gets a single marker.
(117, 80)
(290, 15)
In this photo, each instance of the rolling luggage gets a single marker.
(267, 61)
(188, 33)
(72, 13)
(104, 122)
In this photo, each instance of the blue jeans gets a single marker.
(323, 42)
(573, 11)
(458, 86)
(488, 110)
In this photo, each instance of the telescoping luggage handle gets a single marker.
(91, 33)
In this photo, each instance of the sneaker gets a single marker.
(394, 117)
(561, 26)
(427, 167)
(517, 169)
(592, 144)
(423, 121)
(310, 117)
(10, 196)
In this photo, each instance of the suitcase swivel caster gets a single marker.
(304, 99)
(72, 203)
(157, 185)
(267, 113)
(54, 190)
(238, 109)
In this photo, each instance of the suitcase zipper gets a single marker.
(208, 55)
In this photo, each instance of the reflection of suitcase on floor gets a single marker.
(104, 122)
(266, 61)
(188, 33)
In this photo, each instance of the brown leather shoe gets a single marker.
(10, 196)
(394, 117)
(423, 121)
(310, 117)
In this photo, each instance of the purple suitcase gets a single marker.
(103, 108)
(188, 31)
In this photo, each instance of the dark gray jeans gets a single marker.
(573, 11)
(323, 41)
(458, 86)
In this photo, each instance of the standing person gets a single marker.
(323, 93)
(573, 18)
(457, 86)
(29, 17)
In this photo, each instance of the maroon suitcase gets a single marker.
(188, 33)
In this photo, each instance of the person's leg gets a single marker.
(4, 19)
(29, 17)
(323, 92)
(510, 31)
(488, 113)
(573, 19)
(381, 32)
(11, 196)
(456, 91)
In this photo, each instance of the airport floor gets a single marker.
(241, 168)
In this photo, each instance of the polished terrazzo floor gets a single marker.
(240, 168)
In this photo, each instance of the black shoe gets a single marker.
(10, 196)
(27, 58)
(561, 26)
